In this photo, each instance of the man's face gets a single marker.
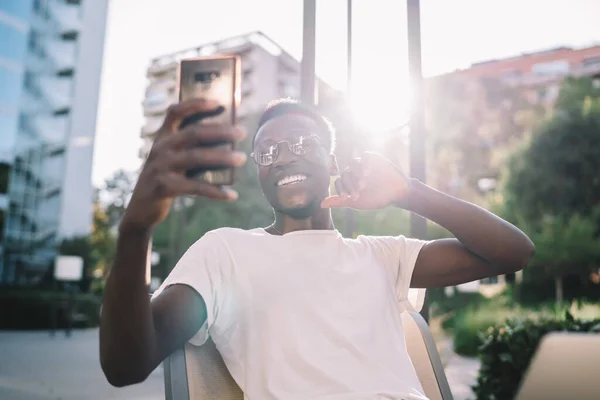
(294, 184)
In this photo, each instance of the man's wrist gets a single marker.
(410, 200)
(128, 227)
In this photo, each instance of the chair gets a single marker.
(199, 373)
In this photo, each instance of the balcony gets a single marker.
(163, 68)
(544, 80)
(57, 91)
(156, 106)
(66, 17)
(50, 128)
(152, 125)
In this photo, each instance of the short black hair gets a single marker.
(279, 107)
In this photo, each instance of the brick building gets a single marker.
(540, 73)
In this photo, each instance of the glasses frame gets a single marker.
(317, 139)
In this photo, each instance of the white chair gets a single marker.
(199, 373)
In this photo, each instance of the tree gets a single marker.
(473, 125)
(566, 246)
(557, 174)
(102, 241)
(553, 186)
(116, 194)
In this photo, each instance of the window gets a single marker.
(559, 67)
(19, 8)
(2, 216)
(492, 280)
(591, 61)
(8, 135)
(4, 174)
(13, 44)
(10, 82)
(155, 98)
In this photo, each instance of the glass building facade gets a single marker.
(48, 88)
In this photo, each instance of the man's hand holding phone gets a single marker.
(174, 152)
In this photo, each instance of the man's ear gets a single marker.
(334, 170)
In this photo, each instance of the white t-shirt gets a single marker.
(307, 315)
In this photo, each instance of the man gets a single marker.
(296, 311)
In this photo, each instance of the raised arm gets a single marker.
(485, 244)
(136, 334)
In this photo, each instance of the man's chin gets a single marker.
(299, 211)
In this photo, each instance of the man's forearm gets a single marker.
(126, 327)
(483, 233)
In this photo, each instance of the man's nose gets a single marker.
(285, 156)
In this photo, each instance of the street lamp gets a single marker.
(418, 225)
(307, 66)
(349, 214)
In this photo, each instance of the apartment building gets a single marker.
(539, 74)
(268, 73)
(50, 66)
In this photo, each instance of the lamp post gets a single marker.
(418, 225)
(349, 214)
(307, 66)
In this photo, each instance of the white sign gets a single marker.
(68, 268)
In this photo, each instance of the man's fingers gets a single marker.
(208, 157)
(208, 133)
(350, 183)
(176, 113)
(334, 202)
(340, 189)
(179, 185)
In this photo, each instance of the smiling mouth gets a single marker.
(291, 180)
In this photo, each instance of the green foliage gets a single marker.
(574, 93)
(566, 245)
(557, 174)
(116, 193)
(507, 350)
(96, 250)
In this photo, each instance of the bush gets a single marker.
(442, 304)
(507, 349)
(31, 309)
(468, 325)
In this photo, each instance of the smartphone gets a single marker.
(212, 78)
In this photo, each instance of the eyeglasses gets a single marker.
(267, 156)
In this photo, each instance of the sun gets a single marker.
(379, 107)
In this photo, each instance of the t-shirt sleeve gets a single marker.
(398, 255)
(204, 267)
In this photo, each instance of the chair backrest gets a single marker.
(566, 365)
(425, 357)
(199, 373)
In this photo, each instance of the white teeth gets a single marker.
(288, 180)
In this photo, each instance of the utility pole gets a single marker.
(349, 214)
(418, 225)
(307, 66)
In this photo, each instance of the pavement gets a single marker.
(461, 372)
(36, 366)
(462, 375)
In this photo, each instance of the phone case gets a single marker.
(213, 78)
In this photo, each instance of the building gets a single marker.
(539, 74)
(268, 73)
(50, 66)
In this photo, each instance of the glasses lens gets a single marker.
(266, 155)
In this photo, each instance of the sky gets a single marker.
(455, 33)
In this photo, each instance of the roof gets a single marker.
(236, 43)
